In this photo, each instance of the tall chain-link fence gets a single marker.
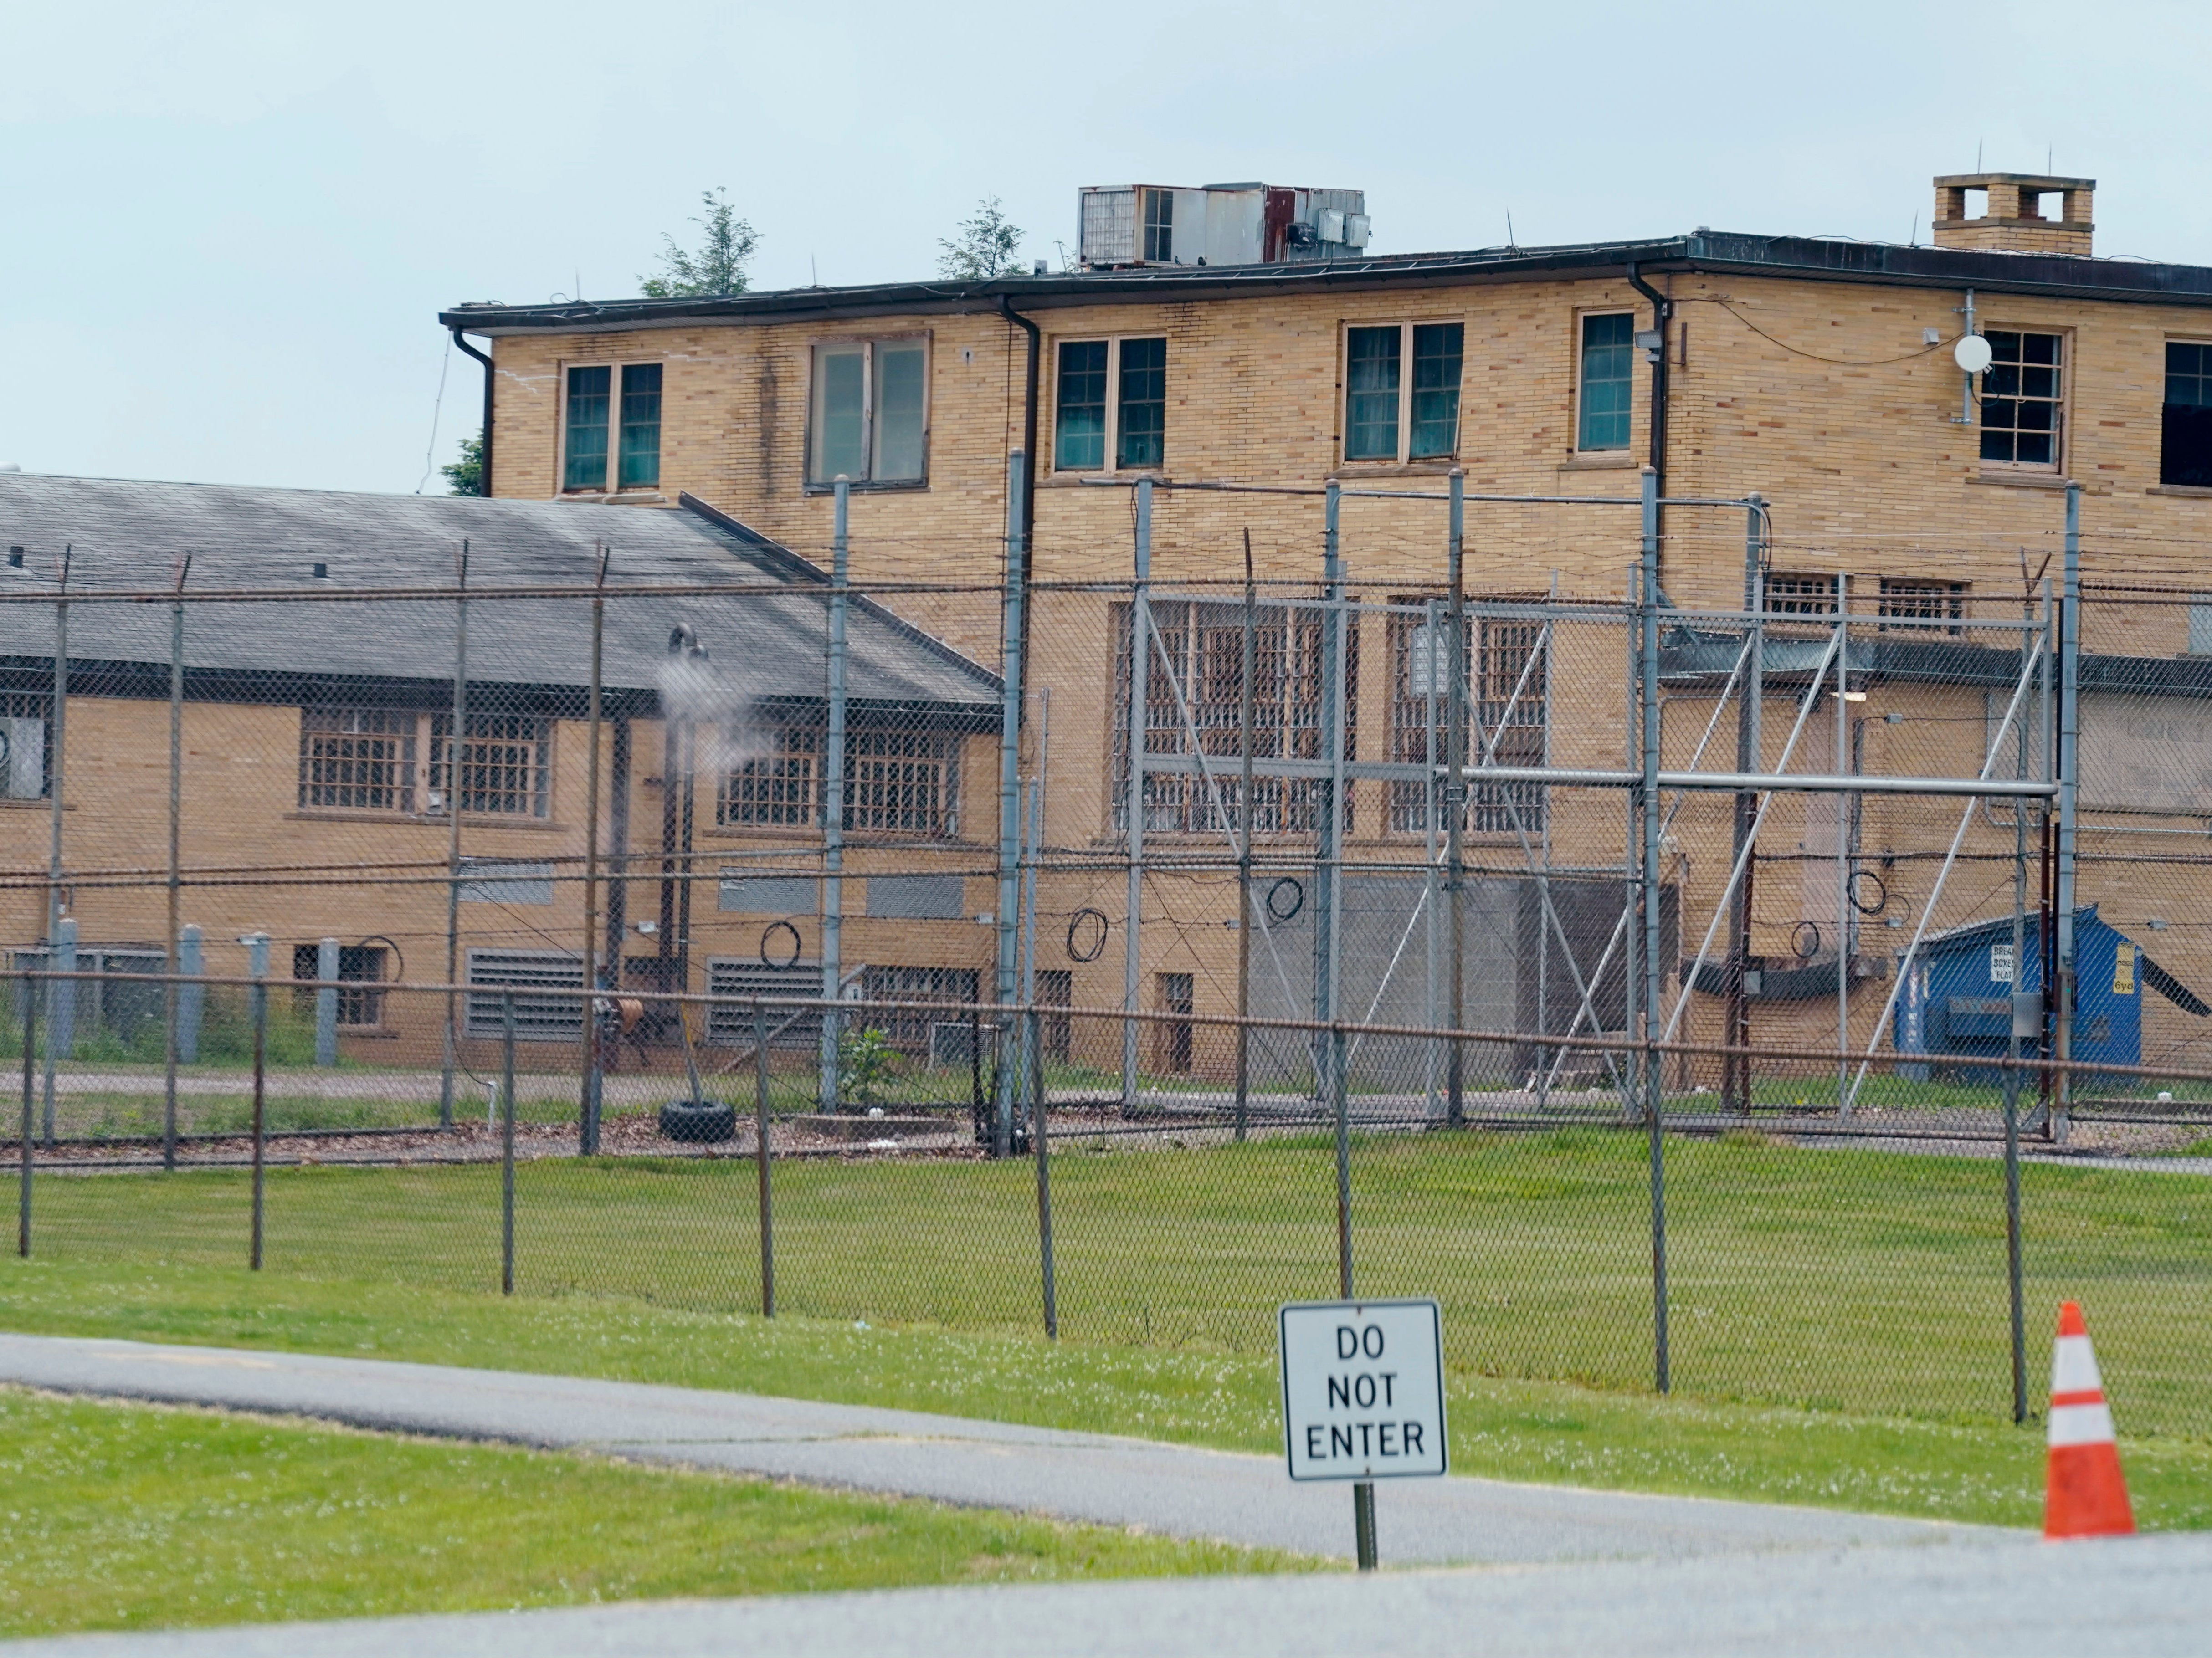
(1785, 994)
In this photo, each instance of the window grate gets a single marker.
(1508, 708)
(1801, 595)
(358, 965)
(1925, 601)
(357, 759)
(781, 789)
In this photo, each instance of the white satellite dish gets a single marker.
(1973, 354)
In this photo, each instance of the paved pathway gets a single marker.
(1171, 1488)
(1998, 1594)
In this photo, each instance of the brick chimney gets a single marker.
(2022, 213)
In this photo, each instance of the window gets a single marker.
(870, 417)
(1130, 426)
(2185, 454)
(358, 964)
(23, 773)
(1173, 994)
(1203, 647)
(897, 782)
(2200, 624)
(366, 760)
(1925, 601)
(2021, 394)
(1801, 595)
(1506, 713)
(1389, 416)
(599, 423)
(1159, 226)
(908, 1028)
(1607, 380)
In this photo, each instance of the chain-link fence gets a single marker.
(1784, 996)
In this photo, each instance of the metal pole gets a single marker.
(1038, 1144)
(833, 798)
(456, 734)
(58, 1026)
(1735, 1078)
(2069, 761)
(1648, 701)
(589, 1107)
(1140, 663)
(169, 999)
(1009, 807)
(1250, 665)
(327, 1002)
(257, 965)
(2020, 1006)
(1454, 803)
(30, 1047)
(761, 1160)
(61, 1011)
(1432, 872)
(1363, 1522)
(1843, 847)
(1328, 821)
(507, 1143)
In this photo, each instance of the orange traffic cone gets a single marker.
(2086, 1496)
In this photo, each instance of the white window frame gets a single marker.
(1405, 456)
(612, 485)
(1113, 344)
(870, 345)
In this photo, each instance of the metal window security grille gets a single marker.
(505, 763)
(1079, 418)
(1141, 440)
(1201, 646)
(1371, 369)
(1436, 354)
(908, 1030)
(1508, 709)
(537, 1019)
(357, 759)
(2185, 433)
(1801, 595)
(782, 788)
(640, 425)
(2022, 397)
(1925, 601)
(24, 771)
(731, 1024)
(902, 782)
(358, 965)
(584, 447)
(1608, 382)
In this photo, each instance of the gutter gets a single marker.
(461, 340)
(1661, 313)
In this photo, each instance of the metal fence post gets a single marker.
(170, 1009)
(760, 1161)
(832, 804)
(30, 1083)
(256, 946)
(192, 999)
(2070, 767)
(1140, 667)
(326, 1003)
(456, 741)
(1455, 799)
(61, 1011)
(1249, 665)
(1043, 1174)
(1647, 708)
(507, 1145)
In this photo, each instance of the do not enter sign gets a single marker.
(1362, 1389)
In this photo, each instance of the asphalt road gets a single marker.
(1171, 1488)
(1988, 1594)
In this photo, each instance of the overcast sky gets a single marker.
(227, 228)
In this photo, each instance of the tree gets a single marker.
(465, 477)
(983, 247)
(718, 268)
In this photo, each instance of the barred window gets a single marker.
(781, 789)
(357, 759)
(1200, 666)
(359, 966)
(1507, 711)
(908, 1028)
(1801, 595)
(1925, 601)
(505, 769)
(902, 782)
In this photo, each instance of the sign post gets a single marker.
(1362, 1397)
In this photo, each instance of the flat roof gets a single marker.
(1717, 253)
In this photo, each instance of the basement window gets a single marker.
(1607, 385)
(2185, 450)
(1801, 595)
(1391, 415)
(1110, 405)
(2022, 397)
(1925, 601)
(359, 966)
(599, 425)
(868, 417)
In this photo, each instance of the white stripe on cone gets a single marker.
(2081, 1424)
(2073, 1366)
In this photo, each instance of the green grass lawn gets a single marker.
(121, 1516)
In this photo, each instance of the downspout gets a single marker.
(1030, 449)
(461, 340)
(1663, 310)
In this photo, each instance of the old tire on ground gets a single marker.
(707, 1123)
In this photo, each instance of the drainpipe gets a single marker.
(1663, 310)
(461, 340)
(1030, 449)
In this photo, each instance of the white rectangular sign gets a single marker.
(1362, 1389)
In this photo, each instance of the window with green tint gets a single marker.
(1371, 393)
(2185, 454)
(585, 451)
(1143, 415)
(1609, 381)
(841, 413)
(1079, 426)
(1436, 349)
(2021, 394)
(640, 426)
(899, 402)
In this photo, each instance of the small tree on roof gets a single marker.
(717, 267)
(982, 248)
